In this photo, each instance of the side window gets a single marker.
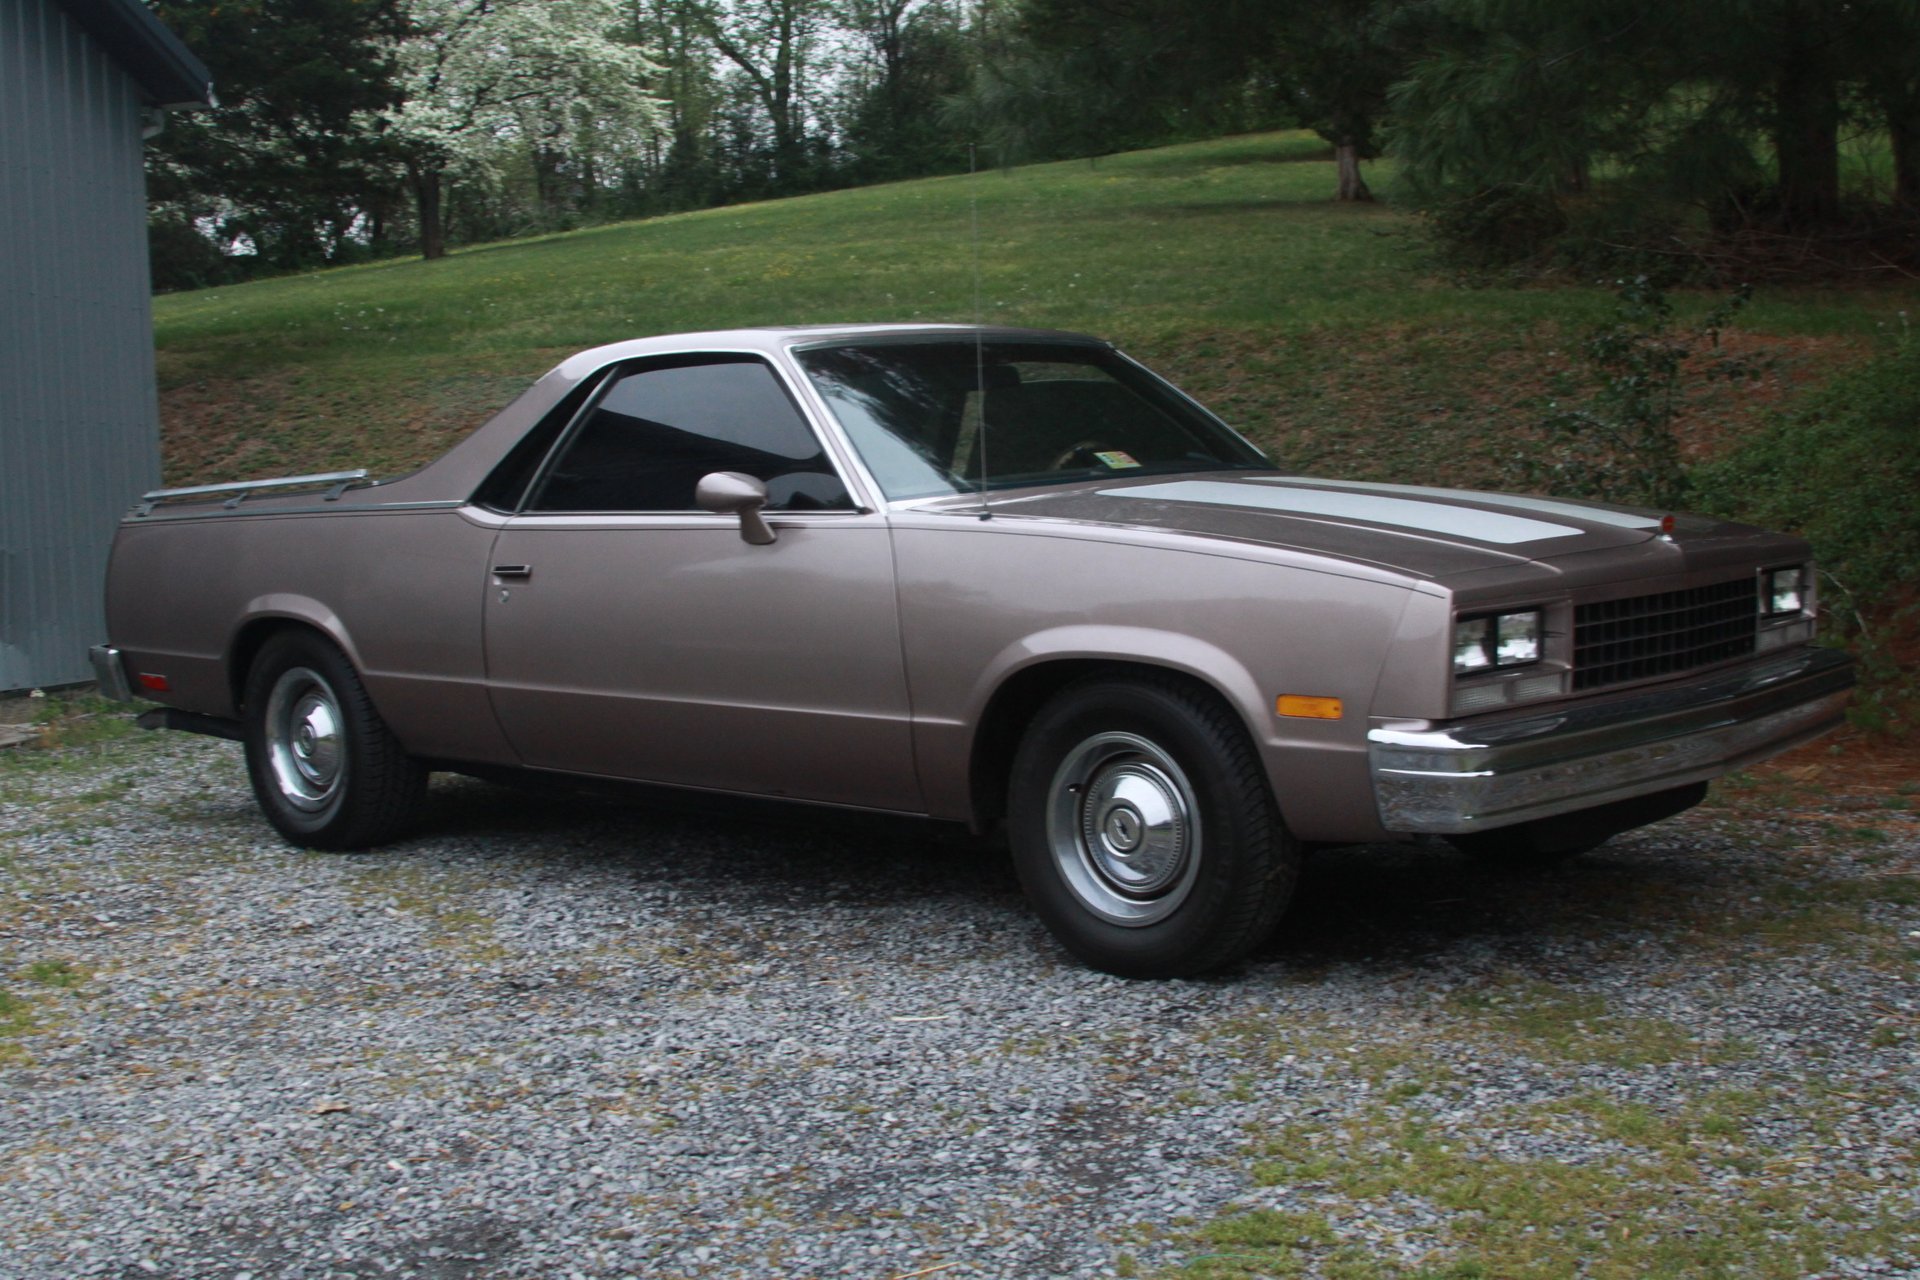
(654, 432)
(507, 485)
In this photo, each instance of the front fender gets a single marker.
(953, 751)
(1106, 642)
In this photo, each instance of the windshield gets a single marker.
(932, 418)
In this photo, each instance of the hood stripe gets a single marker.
(1430, 517)
(1514, 501)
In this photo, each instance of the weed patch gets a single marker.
(1562, 1025)
(21, 1015)
(16, 1020)
(437, 901)
(62, 974)
(1732, 1183)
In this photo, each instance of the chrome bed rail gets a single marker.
(341, 481)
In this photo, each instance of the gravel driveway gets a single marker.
(550, 1038)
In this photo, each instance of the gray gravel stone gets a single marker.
(572, 1038)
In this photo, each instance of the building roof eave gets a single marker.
(167, 72)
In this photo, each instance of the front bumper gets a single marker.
(1499, 770)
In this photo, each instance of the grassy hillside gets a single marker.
(1315, 328)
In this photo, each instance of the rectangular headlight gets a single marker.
(1519, 639)
(1786, 591)
(1472, 645)
(1496, 640)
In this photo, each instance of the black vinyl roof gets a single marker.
(166, 70)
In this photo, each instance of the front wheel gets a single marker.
(326, 770)
(1144, 831)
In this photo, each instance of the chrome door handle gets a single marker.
(513, 571)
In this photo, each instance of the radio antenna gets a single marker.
(979, 337)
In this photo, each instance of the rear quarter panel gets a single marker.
(399, 591)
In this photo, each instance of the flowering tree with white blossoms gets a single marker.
(481, 76)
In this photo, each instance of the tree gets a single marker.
(1529, 98)
(480, 76)
(1721, 117)
(1037, 93)
(1891, 88)
(913, 57)
(1788, 60)
(1326, 63)
(773, 44)
(678, 169)
(1337, 60)
(289, 162)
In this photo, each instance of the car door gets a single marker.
(631, 635)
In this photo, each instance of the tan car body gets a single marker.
(886, 657)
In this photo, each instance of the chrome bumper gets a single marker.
(1496, 771)
(111, 672)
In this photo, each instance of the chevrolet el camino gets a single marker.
(1000, 577)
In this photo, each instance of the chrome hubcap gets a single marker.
(1124, 828)
(305, 747)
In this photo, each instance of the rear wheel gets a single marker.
(326, 770)
(1144, 830)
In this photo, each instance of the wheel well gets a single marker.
(1013, 707)
(246, 647)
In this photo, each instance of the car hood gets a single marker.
(1415, 530)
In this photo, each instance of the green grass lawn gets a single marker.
(1319, 329)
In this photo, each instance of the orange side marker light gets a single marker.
(1301, 707)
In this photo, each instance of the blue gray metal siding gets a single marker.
(79, 426)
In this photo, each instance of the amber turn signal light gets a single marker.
(1305, 708)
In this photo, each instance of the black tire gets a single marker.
(1144, 831)
(326, 770)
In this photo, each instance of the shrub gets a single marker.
(1619, 445)
(1842, 467)
(1504, 230)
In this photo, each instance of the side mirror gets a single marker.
(722, 491)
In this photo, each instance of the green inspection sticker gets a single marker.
(1117, 459)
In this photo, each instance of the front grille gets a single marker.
(1647, 636)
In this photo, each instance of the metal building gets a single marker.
(82, 82)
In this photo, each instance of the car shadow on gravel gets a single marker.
(1421, 903)
(1376, 904)
(780, 848)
